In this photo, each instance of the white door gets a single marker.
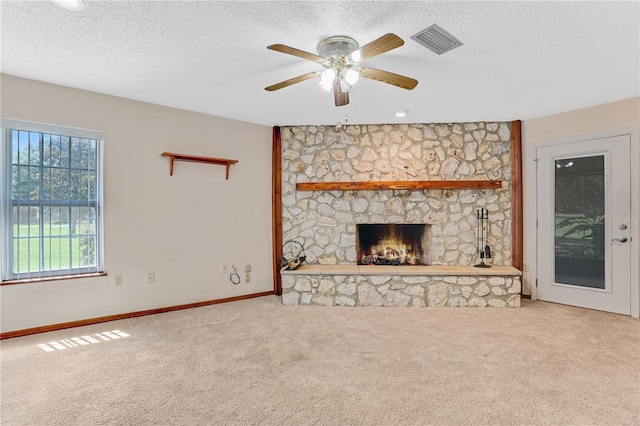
(583, 204)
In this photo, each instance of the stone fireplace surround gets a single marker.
(325, 221)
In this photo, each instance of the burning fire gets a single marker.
(394, 248)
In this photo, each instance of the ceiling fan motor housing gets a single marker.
(337, 46)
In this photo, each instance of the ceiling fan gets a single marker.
(341, 56)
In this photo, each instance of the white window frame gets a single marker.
(6, 268)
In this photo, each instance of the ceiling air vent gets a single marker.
(436, 39)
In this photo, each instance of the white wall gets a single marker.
(182, 227)
(617, 116)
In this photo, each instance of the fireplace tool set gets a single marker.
(483, 248)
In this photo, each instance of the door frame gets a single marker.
(532, 244)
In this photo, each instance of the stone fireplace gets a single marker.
(392, 244)
(327, 222)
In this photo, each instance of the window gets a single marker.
(51, 201)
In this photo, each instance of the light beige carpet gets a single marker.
(259, 362)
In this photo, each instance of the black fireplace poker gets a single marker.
(483, 249)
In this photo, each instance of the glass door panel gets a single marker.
(580, 221)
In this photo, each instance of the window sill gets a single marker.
(58, 278)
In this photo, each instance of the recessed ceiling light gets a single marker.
(70, 4)
(402, 113)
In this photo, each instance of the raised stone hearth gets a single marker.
(416, 286)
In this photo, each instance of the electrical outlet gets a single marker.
(247, 267)
(247, 278)
(223, 269)
(118, 281)
(151, 277)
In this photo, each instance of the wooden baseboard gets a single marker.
(61, 326)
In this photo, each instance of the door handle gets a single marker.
(620, 240)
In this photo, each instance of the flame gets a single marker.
(393, 249)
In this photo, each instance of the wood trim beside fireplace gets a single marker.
(276, 201)
(517, 227)
(389, 185)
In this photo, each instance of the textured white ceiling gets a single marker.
(519, 60)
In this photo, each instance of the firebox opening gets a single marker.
(392, 244)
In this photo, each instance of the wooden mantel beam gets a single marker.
(398, 185)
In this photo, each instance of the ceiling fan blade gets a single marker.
(341, 98)
(297, 52)
(291, 81)
(389, 78)
(380, 45)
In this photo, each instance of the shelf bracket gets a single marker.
(171, 158)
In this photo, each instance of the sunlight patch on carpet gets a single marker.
(74, 342)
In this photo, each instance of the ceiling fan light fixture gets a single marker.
(328, 75)
(327, 78)
(351, 76)
(326, 85)
(344, 85)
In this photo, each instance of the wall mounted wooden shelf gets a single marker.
(197, 159)
(421, 184)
